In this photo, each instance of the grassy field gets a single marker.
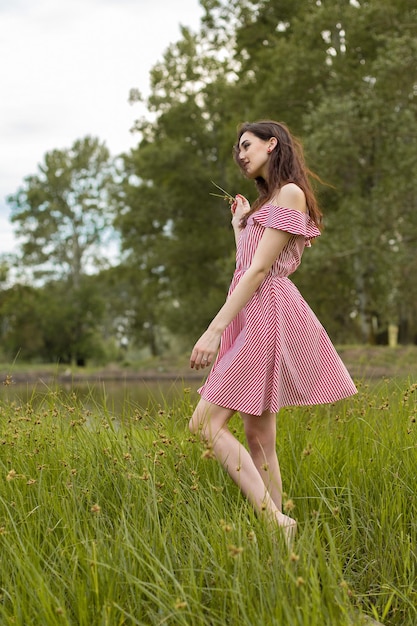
(111, 520)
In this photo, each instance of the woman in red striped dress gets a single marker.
(271, 349)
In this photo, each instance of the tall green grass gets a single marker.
(123, 519)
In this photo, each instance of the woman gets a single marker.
(273, 350)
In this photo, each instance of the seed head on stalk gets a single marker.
(224, 195)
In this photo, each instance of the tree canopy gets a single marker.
(64, 216)
(64, 212)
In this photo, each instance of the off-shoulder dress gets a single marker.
(275, 352)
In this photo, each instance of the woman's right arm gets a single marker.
(239, 209)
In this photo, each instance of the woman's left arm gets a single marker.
(270, 246)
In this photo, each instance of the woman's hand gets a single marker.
(205, 349)
(239, 209)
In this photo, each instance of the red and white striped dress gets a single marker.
(275, 352)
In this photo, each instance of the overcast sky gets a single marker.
(66, 71)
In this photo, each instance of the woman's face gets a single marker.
(254, 154)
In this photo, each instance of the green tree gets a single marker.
(63, 213)
(71, 321)
(20, 319)
(134, 309)
(52, 323)
(279, 55)
(6, 262)
(64, 216)
(362, 134)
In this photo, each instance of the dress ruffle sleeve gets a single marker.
(289, 220)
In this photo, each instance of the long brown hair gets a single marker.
(286, 165)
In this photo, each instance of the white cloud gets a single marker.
(69, 67)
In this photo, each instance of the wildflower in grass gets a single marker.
(96, 508)
(11, 475)
(3, 530)
(31, 481)
(345, 586)
(180, 604)
(208, 454)
(289, 506)
(8, 380)
(308, 450)
(294, 557)
(234, 551)
(408, 393)
(251, 536)
(300, 581)
(225, 526)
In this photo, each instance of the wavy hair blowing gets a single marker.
(286, 165)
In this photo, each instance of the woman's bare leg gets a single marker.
(261, 432)
(211, 422)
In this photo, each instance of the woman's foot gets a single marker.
(288, 527)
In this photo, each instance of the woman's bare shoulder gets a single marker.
(291, 196)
